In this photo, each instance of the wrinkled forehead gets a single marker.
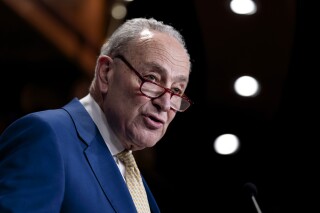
(157, 46)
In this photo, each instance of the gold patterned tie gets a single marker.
(134, 182)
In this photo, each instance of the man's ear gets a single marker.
(103, 72)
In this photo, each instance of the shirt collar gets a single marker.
(100, 120)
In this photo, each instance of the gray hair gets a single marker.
(131, 30)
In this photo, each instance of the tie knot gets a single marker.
(127, 158)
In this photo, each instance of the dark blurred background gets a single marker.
(47, 57)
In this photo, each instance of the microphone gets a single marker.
(252, 190)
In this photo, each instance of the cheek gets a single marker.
(134, 105)
(139, 100)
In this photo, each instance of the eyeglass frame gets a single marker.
(143, 80)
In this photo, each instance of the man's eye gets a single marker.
(176, 91)
(150, 77)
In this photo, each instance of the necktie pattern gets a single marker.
(134, 182)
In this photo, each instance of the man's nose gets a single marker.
(164, 101)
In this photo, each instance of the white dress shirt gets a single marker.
(108, 136)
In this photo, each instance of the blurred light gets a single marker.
(243, 7)
(226, 144)
(246, 86)
(119, 11)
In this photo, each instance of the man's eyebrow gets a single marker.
(155, 66)
(182, 78)
(162, 70)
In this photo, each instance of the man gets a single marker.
(65, 160)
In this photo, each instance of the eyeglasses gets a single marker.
(153, 90)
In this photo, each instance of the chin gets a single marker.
(143, 145)
(145, 140)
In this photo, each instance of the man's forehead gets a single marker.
(154, 47)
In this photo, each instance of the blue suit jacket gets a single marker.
(56, 161)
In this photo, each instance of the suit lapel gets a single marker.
(100, 159)
(109, 177)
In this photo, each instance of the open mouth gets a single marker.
(153, 122)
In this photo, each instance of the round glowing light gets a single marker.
(226, 144)
(246, 86)
(243, 7)
(119, 11)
